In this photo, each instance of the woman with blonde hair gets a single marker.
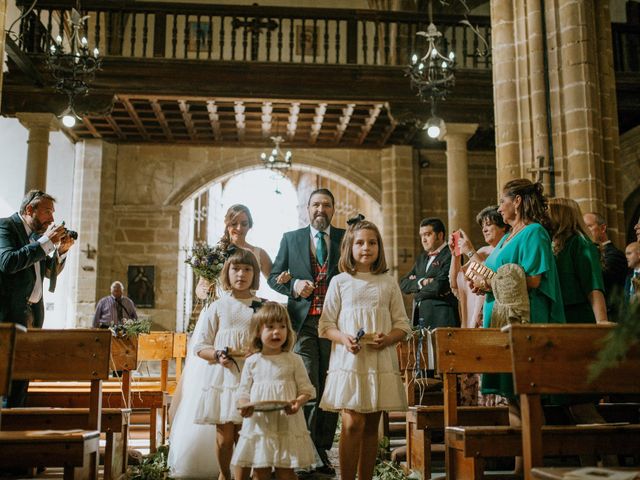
(578, 262)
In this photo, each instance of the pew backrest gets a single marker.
(73, 354)
(8, 333)
(468, 350)
(550, 359)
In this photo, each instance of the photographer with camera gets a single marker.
(32, 247)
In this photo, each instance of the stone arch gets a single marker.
(335, 168)
(630, 165)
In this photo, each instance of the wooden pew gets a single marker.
(554, 359)
(126, 393)
(114, 424)
(8, 332)
(60, 355)
(461, 351)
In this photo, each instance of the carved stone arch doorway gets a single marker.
(202, 213)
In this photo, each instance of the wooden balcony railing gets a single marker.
(274, 34)
(254, 33)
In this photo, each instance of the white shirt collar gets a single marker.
(314, 231)
(26, 226)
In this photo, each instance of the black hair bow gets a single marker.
(231, 249)
(355, 220)
(257, 304)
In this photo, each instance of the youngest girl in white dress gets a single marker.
(279, 438)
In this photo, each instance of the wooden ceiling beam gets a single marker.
(317, 122)
(239, 109)
(89, 126)
(214, 120)
(374, 112)
(186, 118)
(131, 111)
(114, 126)
(162, 120)
(267, 110)
(292, 123)
(343, 122)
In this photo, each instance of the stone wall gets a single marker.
(630, 165)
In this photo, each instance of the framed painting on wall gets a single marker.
(141, 285)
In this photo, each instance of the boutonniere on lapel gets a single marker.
(435, 263)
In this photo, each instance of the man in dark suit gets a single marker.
(305, 264)
(27, 238)
(632, 282)
(434, 304)
(614, 268)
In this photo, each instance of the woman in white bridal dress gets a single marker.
(192, 446)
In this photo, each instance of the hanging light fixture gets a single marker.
(73, 68)
(432, 74)
(435, 124)
(276, 160)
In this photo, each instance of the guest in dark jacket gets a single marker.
(614, 263)
(434, 304)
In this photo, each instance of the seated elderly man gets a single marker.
(114, 309)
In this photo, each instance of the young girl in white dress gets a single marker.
(224, 342)
(363, 377)
(273, 439)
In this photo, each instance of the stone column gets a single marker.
(91, 184)
(39, 126)
(399, 231)
(3, 20)
(456, 135)
(558, 100)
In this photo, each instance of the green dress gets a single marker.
(531, 249)
(580, 273)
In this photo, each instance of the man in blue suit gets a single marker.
(632, 282)
(27, 239)
(309, 256)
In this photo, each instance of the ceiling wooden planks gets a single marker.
(163, 119)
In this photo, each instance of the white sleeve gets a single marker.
(330, 309)
(303, 383)
(207, 335)
(397, 310)
(246, 382)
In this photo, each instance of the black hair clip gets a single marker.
(359, 335)
(355, 220)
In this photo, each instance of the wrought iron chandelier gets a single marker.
(73, 68)
(276, 159)
(432, 74)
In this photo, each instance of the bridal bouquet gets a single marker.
(207, 263)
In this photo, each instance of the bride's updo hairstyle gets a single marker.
(232, 214)
(347, 263)
(533, 208)
(268, 313)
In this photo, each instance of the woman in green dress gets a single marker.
(578, 262)
(524, 207)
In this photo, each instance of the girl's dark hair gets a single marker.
(229, 218)
(493, 216)
(566, 220)
(272, 312)
(241, 257)
(533, 207)
(347, 263)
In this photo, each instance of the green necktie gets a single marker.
(321, 248)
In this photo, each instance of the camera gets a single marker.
(70, 233)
